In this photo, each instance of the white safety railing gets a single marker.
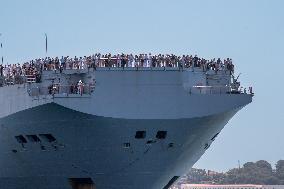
(88, 89)
(17, 79)
(64, 90)
(219, 90)
(30, 78)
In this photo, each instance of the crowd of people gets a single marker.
(16, 73)
(35, 67)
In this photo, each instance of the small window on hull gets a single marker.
(161, 134)
(33, 138)
(47, 137)
(140, 134)
(21, 139)
(126, 145)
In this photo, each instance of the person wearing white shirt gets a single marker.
(130, 61)
(146, 60)
(150, 60)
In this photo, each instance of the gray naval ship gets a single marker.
(112, 127)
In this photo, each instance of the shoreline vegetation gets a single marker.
(260, 172)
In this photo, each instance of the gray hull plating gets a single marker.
(90, 146)
(95, 134)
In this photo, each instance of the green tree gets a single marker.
(280, 171)
(260, 172)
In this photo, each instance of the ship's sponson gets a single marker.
(111, 128)
(127, 93)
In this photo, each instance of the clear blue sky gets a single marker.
(249, 31)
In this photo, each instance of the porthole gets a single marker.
(161, 134)
(140, 134)
(21, 139)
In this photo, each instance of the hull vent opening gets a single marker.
(33, 138)
(171, 145)
(47, 137)
(161, 134)
(21, 139)
(214, 137)
(151, 142)
(206, 146)
(140, 134)
(82, 183)
(171, 182)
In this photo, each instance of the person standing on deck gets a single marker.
(1, 70)
(80, 87)
(150, 62)
(146, 61)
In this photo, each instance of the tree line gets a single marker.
(260, 172)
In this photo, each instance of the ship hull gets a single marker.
(104, 150)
